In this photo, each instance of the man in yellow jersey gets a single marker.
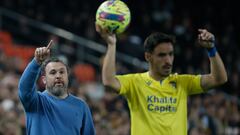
(157, 98)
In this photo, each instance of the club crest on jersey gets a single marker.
(173, 84)
(149, 83)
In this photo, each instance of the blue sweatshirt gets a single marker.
(48, 115)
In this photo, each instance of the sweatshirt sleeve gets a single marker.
(87, 125)
(27, 85)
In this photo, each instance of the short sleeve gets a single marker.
(125, 81)
(194, 85)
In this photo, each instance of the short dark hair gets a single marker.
(156, 38)
(52, 59)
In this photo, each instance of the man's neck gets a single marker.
(63, 96)
(156, 76)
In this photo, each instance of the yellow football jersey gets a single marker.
(158, 108)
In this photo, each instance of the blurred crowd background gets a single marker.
(213, 113)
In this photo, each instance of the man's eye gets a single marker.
(161, 55)
(52, 72)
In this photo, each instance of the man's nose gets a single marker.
(58, 75)
(168, 59)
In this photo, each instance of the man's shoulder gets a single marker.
(77, 100)
(183, 77)
(134, 75)
(177, 75)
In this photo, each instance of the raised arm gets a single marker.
(27, 85)
(109, 62)
(217, 75)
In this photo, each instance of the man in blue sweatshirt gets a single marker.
(53, 111)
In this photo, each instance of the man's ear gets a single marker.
(147, 56)
(44, 79)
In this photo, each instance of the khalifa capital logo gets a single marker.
(149, 83)
(173, 84)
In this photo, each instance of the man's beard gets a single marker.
(57, 90)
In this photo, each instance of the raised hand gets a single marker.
(42, 53)
(110, 38)
(205, 38)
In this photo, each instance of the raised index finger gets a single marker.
(49, 44)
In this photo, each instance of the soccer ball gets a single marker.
(113, 15)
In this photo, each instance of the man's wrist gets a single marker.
(212, 51)
(37, 61)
